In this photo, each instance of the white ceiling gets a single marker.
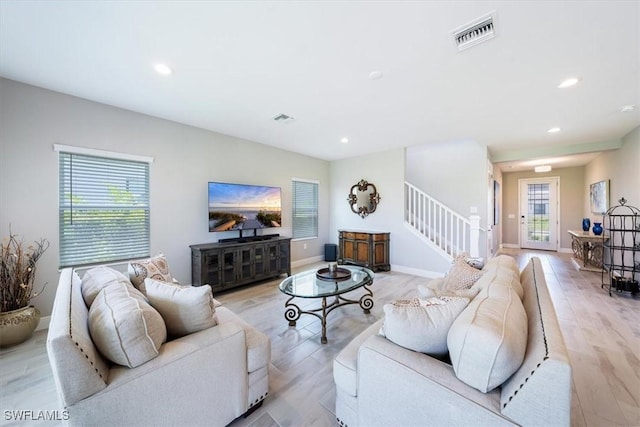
(239, 64)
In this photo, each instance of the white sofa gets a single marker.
(379, 383)
(209, 377)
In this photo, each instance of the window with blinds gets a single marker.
(104, 209)
(305, 209)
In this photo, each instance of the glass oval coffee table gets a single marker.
(313, 284)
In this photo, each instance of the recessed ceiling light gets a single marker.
(627, 108)
(572, 81)
(344, 140)
(554, 130)
(375, 75)
(163, 69)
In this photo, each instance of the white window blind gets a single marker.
(305, 209)
(104, 209)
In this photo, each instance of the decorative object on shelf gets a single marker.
(621, 266)
(597, 228)
(599, 197)
(625, 284)
(18, 262)
(363, 198)
(586, 224)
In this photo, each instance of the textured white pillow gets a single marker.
(185, 309)
(487, 342)
(461, 275)
(156, 268)
(124, 327)
(422, 325)
(98, 278)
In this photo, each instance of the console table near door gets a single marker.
(588, 248)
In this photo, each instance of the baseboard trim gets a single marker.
(306, 261)
(43, 323)
(510, 246)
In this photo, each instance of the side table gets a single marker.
(588, 248)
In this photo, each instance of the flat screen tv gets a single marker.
(243, 207)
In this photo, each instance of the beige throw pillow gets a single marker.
(98, 278)
(124, 327)
(461, 275)
(422, 324)
(487, 342)
(156, 268)
(185, 309)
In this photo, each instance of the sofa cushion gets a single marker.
(97, 278)
(487, 342)
(156, 268)
(461, 275)
(345, 364)
(428, 292)
(422, 324)
(501, 268)
(258, 344)
(124, 327)
(502, 261)
(185, 309)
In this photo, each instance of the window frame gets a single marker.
(293, 208)
(138, 169)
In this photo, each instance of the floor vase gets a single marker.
(17, 326)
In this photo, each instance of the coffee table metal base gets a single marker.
(293, 312)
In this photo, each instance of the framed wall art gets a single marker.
(599, 196)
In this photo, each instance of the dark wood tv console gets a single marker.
(229, 264)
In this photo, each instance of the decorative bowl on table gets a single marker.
(336, 274)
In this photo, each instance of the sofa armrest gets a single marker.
(196, 366)
(397, 386)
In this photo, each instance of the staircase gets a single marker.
(448, 232)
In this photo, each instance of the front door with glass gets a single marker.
(539, 213)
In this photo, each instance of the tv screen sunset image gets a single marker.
(243, 207)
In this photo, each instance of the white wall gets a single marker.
(622, 168)
(186, 158)
(454, 173)
(386, 171)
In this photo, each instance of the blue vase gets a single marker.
(586, 224)
(597, 228)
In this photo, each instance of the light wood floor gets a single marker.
(602, 334)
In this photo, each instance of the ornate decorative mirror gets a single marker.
(363, 198)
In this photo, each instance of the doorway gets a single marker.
(539, 213)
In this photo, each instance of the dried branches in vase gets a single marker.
(18, 270)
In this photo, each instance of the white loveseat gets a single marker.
(207, 378)
(379, 383)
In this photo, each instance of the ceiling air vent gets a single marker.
(477, 31)
(283, 118)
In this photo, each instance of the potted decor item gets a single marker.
(597, 228)
(18, 262)
(586, 224)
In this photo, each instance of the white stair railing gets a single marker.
(447, 231)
